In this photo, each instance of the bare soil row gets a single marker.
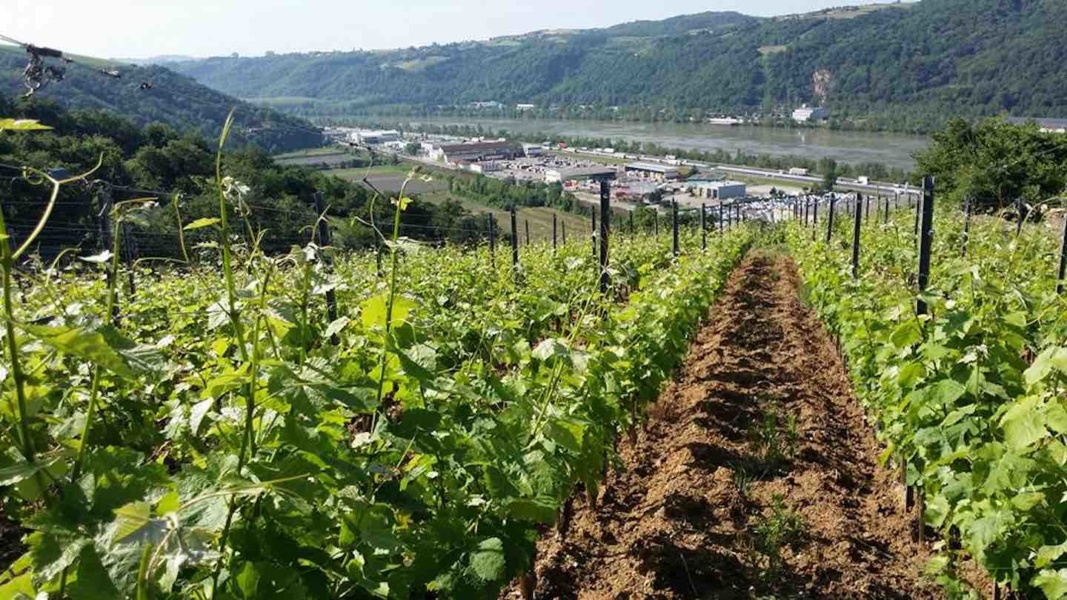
(755, 475)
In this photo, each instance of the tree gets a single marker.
(411, 148)
(828, 168)
(995, 163)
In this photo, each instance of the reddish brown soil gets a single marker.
(683, 517)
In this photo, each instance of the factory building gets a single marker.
(474, 151)
(530, 150)
(652, 171)
(718, 190)
(560, 175)
(374, 138)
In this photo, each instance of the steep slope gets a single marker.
(908, 65)
(174, 99)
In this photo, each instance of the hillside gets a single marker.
(907, 66)
(173, 99)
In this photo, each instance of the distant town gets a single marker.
(636, 179)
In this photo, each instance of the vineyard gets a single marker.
(324, 425)
(967, 392)
(218, 435)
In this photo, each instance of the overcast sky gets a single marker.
(142, 28)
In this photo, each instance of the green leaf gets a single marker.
(907, 334)
(22, 471)
(1046, 555)
(131, 519)
(202, 223)
(248, 580)
(170, 502)
(19, 587)
(937, 509)
(373, 311)
(1023, 424)
(198, 412)
(549, 348)
(92, 581)
(944, 392)
(1053, 583)
(488, 562)
(532, 509)
(335, 327)
(91, 346)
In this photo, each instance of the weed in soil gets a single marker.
(782, 527)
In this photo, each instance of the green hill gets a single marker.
(906, 66)
(173, 99)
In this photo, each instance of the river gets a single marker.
(890, 149)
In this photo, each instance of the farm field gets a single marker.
(390, 178)
(539, 217)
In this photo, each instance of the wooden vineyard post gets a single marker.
(492, 241)
(926, 238)
(887, 209)
(106, 239)
(324, 242)
(720, 217)
(830, 218)
(674, 226)
(867, 209)
(925, 241)
(605, 225)
(514, 243)
(1024, 214)
(856, 228)
(527, 222)
(918, 212)
(592, 234)
(807, 210)
(631, 223)
(655, 223)
(966, 226)
(814, 218)
(738, 217)
(127, 258)
(554, 226)
(703, 227)
(1063, 261)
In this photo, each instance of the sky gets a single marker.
(144, 28)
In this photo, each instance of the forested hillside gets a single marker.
(907, 66)
(178, 170)
(169, 98)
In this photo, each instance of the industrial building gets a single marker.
(718, 190)
(560, 175)
(530, 150)
(374, 138)
(807, 113)
(474, 151)
(652, 171)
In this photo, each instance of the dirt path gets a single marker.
(755, 475)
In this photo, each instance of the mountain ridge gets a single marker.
(903, 66)
(151, 93)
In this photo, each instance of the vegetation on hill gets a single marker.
(173, 99)
(995, 164)
(905, 66)
(144, 161)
